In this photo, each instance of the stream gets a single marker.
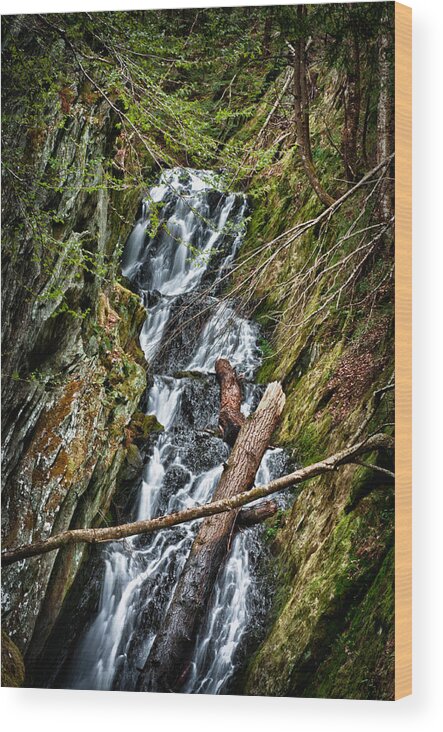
(185, 240)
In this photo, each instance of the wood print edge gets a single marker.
(403, 351)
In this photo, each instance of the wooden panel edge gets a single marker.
(403, 350)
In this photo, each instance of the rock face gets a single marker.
(333, 628)
(66, 477)
(331, 632)
(73, 374)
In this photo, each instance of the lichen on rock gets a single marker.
(73, 373)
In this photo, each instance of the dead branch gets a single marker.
(375, 468)
(256, 514)
(289, 76)
(283, 240)
(371, 409)
(230, 417)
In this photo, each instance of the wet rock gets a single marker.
(132, 465)
(69, 444)
(141, 427)
(199, 403)
(200, 451)
(188, 316)
(152, 298)
(52, 666)
(175, 479)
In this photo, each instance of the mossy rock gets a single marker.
(141, 426)
(132, 465)
(13, 668)
(328, 564)
(361, 663)
(127, 303)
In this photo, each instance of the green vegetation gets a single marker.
(13, 669)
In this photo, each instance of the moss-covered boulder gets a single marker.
(13, 667)
(141, 426)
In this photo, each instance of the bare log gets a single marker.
(167, 663)
(378, 441)
(230, 418)
(256, 514)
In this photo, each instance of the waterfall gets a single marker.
(188, 233)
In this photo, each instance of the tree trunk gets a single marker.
(168, 661)
(267, 33)
(364, 134)
(230, 418)
(301, 110)
(384, 115)
(352, 111)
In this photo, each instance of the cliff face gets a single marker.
(331, 628)
(72, 370)
(331, 632)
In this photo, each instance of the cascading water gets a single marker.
(192, 244)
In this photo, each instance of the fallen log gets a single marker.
(379, 441)
(169, 657)
(256, 514)
(230, 418)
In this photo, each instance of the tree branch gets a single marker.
(376, 468)
(94, 536)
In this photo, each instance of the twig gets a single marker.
(376, 468)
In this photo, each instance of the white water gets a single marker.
(141, 572)
(226, 335)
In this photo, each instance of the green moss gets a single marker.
(306, 425)
(132, 314)
(198, 375)
(326, 570)
(272, 525)
(333, 540)
(13, 668)
(361, 663)
(311, 440)
(267, 370)
(142, 425)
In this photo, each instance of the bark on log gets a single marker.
(230, 418)
(380, 441)
(256, 514)
(169, 657)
